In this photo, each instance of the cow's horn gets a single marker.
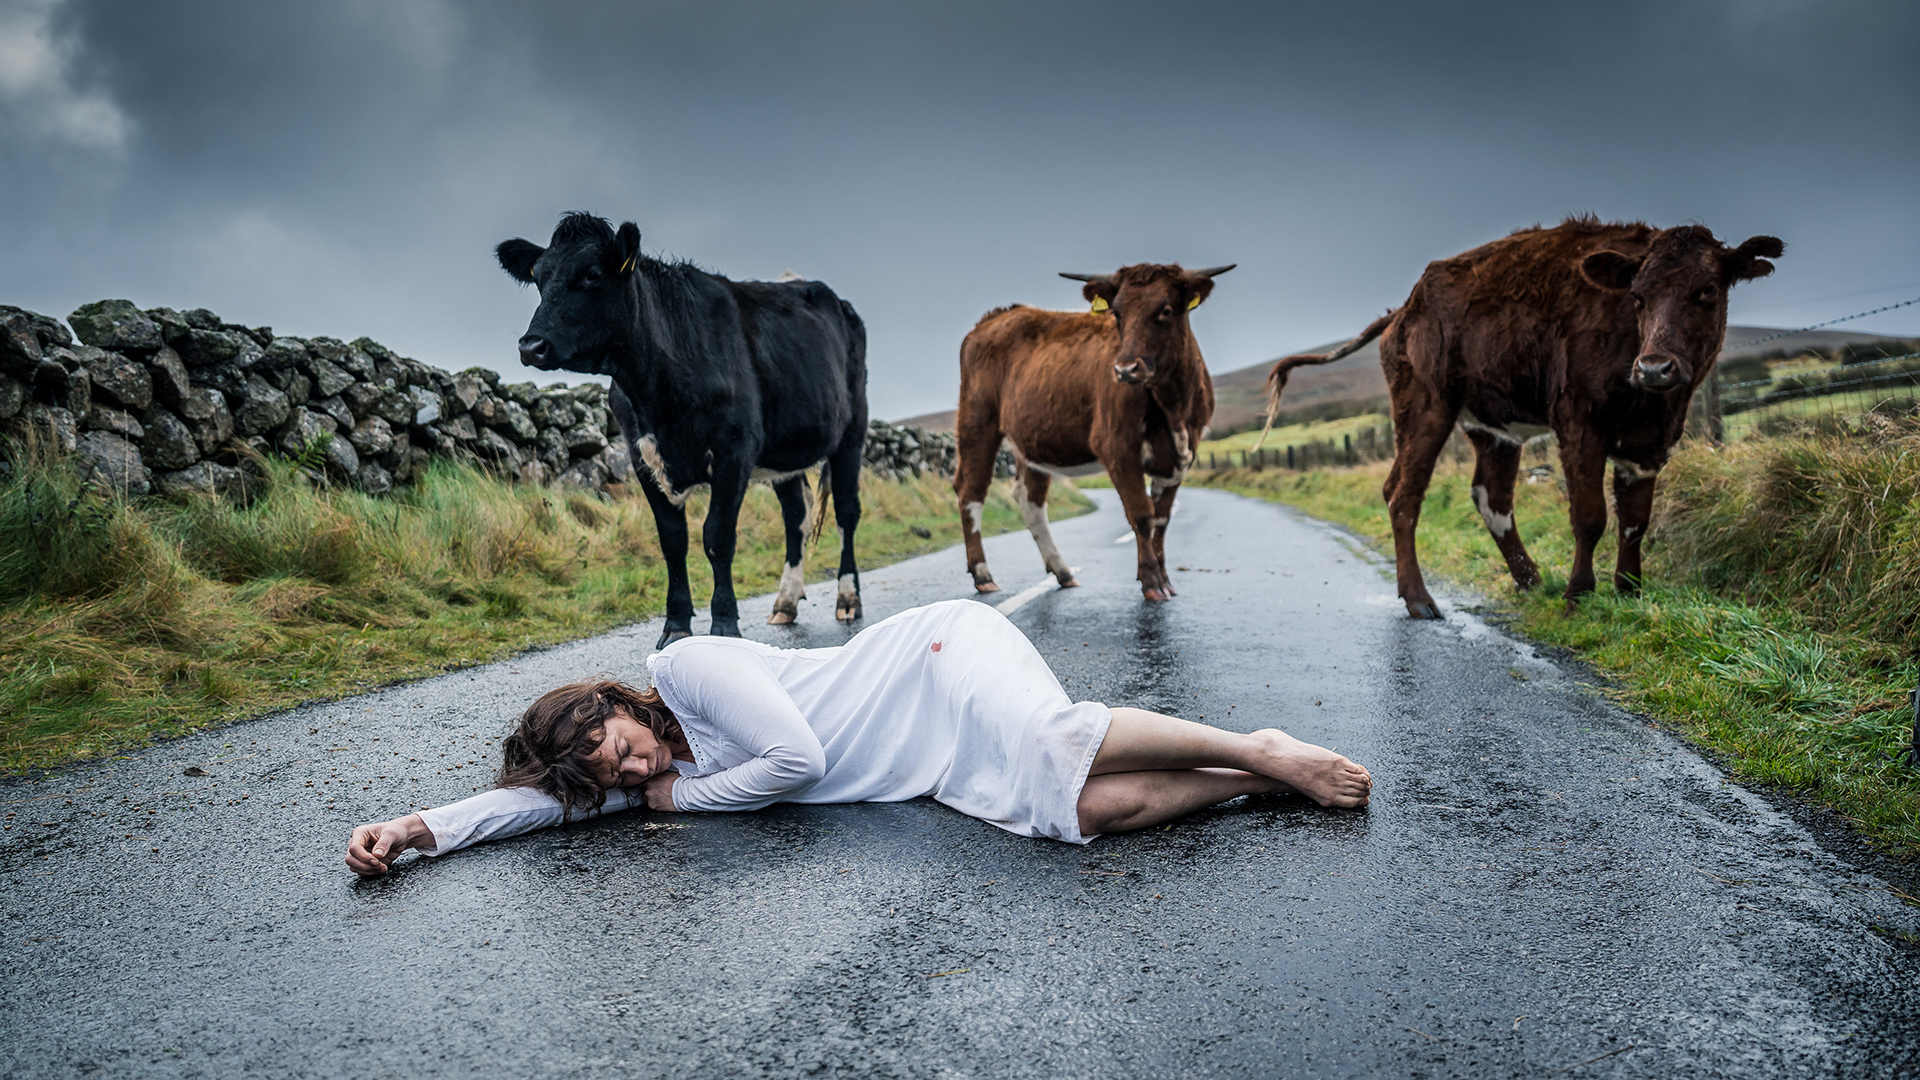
(1102, 279)
(1212, 271)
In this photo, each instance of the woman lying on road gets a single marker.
(948, 700)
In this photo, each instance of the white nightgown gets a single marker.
(949, 700)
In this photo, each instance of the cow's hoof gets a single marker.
(985, 587)
(1523, 582)
(1423, 609)
(725, 628)
(1069, 582)
(847, 612)
(781, 618)
(670, 635)
(1158, 596)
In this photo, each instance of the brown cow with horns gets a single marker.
(1121, 388)
(1597, 332)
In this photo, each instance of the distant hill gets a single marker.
(1355, 384)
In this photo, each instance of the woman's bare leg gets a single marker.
(1142, 741)
(1123, 802)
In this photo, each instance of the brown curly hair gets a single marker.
(550, 745)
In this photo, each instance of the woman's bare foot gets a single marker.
(1315, 771)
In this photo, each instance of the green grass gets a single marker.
(122, 622)
(1779, 624)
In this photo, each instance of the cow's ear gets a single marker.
(1749, 260)
(517, 257)
(626, 248)
(1197, 290)
(1610, 269)
(1100, 293)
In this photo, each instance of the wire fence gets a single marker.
(1771, 393)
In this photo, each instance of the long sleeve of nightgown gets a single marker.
(504, 812)
(734, 692)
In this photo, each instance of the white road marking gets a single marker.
(1019, 600)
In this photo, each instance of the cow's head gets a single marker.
(587, 298)
(1679, 288)
(1149, 303)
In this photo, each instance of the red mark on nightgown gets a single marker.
(936, 646)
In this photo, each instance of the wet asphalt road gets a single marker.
(1544, 885)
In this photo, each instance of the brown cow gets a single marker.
(1076, 392)
(1599, 333)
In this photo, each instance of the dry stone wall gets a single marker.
(168, 402)
(159, 401)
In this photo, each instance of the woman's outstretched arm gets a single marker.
(490, 815)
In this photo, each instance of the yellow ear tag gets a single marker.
(1193, 303)
(1099, 304)
(628, 265)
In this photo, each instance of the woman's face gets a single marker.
(629, 754)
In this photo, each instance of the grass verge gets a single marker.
(1778, 627)
(122, 622)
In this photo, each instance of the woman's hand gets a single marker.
(660, 790)
(376, 844)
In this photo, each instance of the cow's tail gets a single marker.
(819, 523)
(1277, 378)
(857, 376)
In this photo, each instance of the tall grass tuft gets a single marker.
(1824, 524)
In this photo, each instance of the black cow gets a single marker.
(715, 383)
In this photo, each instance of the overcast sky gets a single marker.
(345, 167)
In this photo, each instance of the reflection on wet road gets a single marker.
(1543, 882)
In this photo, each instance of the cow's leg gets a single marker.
(1163, 493)
(1131, 482)
(972, 477)
(1633, 502)
(792, 494)
(1584, 461)
(671, 520)
(845, 466)
(718, 536)
(1496, 464)
(1418, 436)
(1032, 485)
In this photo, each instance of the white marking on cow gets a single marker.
(1512, 434)
(793, 589)
(1632, 473)
(1035, 515)
(980, 572)
(849, 590)
(1497, 524)
(1020, 599)
(1159, 485)
(773, 477)
(1126, 537)
(1632, 531)
(1146, 452)
(970, 517)
(650, 456)
(1091, 469)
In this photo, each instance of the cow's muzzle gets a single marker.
(535, 351)
(1132, 372)
(1659, 372)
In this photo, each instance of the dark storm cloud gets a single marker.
(345, 167)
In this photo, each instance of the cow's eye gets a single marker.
(593, 273)
(1707, 295)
